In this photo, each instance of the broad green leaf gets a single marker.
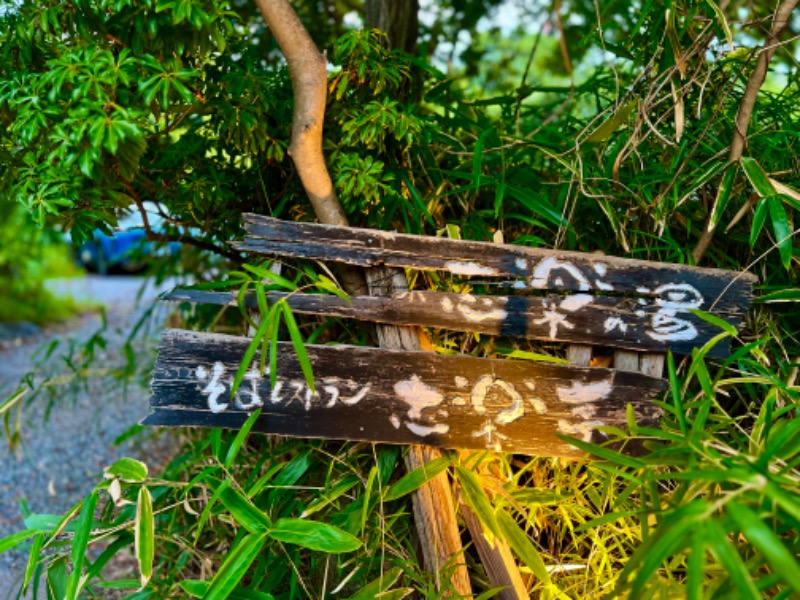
(782, 229)
(758, 177)
(475, 497)
(241, 436)
(780, 559)
(244, 511)
(129, 469)
(314, 535)
(145, 535)
(417, 478)
(759, 218)
(522, 545)
(235, 566)
(15, 539)
(610, 125)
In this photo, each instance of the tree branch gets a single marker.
(745, 113)
(310, 84)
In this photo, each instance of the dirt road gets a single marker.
(62, 459)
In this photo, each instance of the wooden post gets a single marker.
(434, 509)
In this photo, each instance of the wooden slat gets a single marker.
(601, 320)
(536, 268)
(396, 397)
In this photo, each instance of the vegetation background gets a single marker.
(639, 129)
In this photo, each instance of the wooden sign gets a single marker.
(671, 286)
(643, 324)
(396, 397)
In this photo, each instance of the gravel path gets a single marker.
(62, 459)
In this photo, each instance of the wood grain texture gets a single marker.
(433, 503)
(396, 397)
(534, 268)
(605, 320)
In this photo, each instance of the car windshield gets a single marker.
(133, 220)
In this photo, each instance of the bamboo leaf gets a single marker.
(782, 561)
(736, 570)
(314, 535)
(780, 225)
(417, 478)
(235, 566)
(15, 539)
(129, 469)
(521, 544)
(714, 320)
(475, 497)
(80, 542)
(299, 346)
(244, 511)
(145, 534)
(610, 125)
(241, 436)
(758, 177)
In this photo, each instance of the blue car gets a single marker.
(127, 249)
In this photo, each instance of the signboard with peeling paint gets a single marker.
(378, 395)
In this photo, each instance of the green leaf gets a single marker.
(672, 534)
(145, 535)
(235, 566)
(33, 559)
(758, 178)
(677, 394)
(374, 588)
(785, 295)
(249, 353)
(417, 478)
(759, 218)
(474, 497)
(314, 535)
(723, 196)
(241, 436)
(15, 539)
(80, 542)
(735, 568)
(780, 559)
(714, 320)
(477, 158)
(299, 346)
(129, 469)
(780, 225)
(244, 511)
(521, 544)
(610, 125)
(270, 276)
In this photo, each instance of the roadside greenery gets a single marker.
(613, 134)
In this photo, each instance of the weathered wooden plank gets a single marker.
(535, 268)
(636, 324)
(396, 396)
